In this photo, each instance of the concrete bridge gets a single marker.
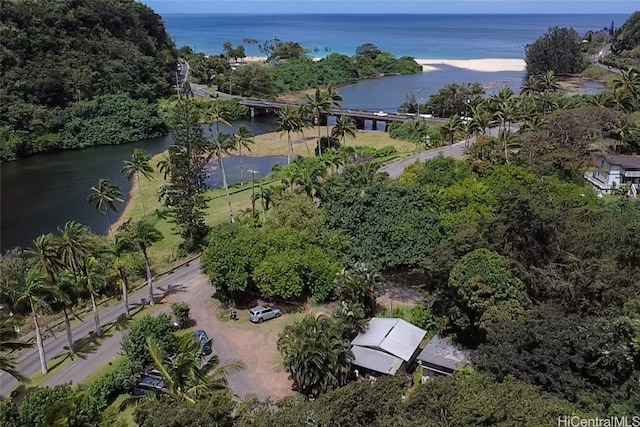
(261, 108)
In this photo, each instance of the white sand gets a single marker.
(488, 65)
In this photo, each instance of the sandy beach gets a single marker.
(487, 65)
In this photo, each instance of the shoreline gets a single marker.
(484, 65)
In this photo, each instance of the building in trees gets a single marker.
(615, 172)
(387, 346)
(441, 357)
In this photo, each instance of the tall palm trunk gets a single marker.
(319, 142)
(67, 325)
(140, 191)
(240, 153)
(149, 278)
(43, 360)
(109, 223)
(125, 292)
(290, 152)
(224, 184)
(96, 315)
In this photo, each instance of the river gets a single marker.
(40, 193)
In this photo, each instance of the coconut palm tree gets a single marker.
(185, 377)
(9, 342)
(266, 196)
(120, 252)
(628, 82)
(138, 165)
(345, 126)
(318, 103)
(223, 144)
(143, 234)
(93, 277)
(242, 138)
(289, 120)
(509, 141)
(451, 128)
(335, 99)
(104, 197)
(531, 87)
(37, 293)
(74, 245)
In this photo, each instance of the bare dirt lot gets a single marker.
(252, 344)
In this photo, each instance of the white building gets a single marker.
(613, 172)
(387, 345)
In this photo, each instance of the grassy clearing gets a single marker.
(164, 253)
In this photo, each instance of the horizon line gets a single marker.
(393, 13)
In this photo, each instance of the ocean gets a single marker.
(420, 36)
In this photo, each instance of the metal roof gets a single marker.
(441, 351)
(375, 360)
(394, 336)
(625, 161)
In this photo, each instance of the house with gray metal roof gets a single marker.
(387, 345)
(441, 357)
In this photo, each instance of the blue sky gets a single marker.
(394, 6)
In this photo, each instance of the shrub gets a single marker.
(35, 405)
(134, 341)
(9, 416)
(181, 312)
(105, 389)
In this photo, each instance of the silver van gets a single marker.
(260, 313)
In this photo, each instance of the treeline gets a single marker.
(564, 51)
(289, 68)
(57, 54)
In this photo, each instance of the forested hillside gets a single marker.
(57, 53)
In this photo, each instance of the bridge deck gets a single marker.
(351, 112)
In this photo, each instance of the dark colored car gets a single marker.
(205, 342)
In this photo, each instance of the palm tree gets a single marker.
(509, 140)
(315, 354)
(94, 282)
(266, 196)
(629, 83)
(36, 293)
(223, 143)
(335, 99)
(345, 126)
(242, 138)
(289, 120)
(104, 197)
(120, 251)
(8, 343)
(549, 81)
(318, 103)
(139, 164)
(453, 126)
(531, 87)
(48, 256)
(185, 377)
(143, 234)
(66, 285)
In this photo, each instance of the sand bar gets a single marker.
(487, 65)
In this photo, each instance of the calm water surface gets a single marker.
(40, 193)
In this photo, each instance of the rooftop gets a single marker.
(625, 161)
(441, 351)
(375, 360)
(393, 336)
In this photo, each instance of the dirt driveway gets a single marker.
(252, 344)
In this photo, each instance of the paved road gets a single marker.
(29, 362)
(395, 169)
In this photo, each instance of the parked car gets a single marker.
(260, 313)
(205, 342)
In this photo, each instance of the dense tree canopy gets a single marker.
(558, 51)
(54, 54)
